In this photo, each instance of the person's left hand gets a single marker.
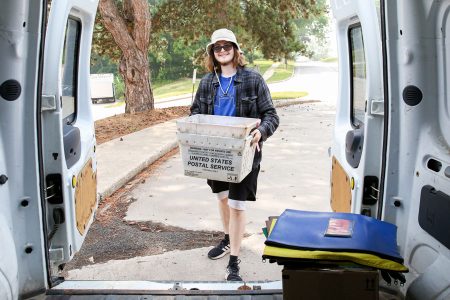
(256, 137)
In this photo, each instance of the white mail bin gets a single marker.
(216, 147)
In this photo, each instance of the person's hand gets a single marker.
(256, 137)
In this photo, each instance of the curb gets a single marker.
(108, 191)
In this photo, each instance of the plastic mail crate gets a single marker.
(216, 147)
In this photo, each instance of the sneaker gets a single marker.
(220, 250)
(232, 272)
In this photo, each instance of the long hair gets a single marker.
(210, 61)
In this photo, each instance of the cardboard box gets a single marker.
(216, 147)
(336, 283)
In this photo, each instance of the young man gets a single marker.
(232, 90)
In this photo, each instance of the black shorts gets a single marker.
(242, 191)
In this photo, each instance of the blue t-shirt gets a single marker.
(224, 102)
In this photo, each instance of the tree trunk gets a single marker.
(131, 32)
(135, 73)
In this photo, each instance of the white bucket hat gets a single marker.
(222, 34)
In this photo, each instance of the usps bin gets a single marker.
(216, 147)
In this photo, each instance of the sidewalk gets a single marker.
(121, 159)
(294, 174)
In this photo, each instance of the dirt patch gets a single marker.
(119, 125)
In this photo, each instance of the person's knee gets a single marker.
(236, 206)
(222, 196)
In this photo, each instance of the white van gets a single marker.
(102, 88)
(391, 142)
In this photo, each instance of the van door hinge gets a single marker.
(48, 103)
(377, 107)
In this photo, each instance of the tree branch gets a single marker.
(142, 23)
(116, 25)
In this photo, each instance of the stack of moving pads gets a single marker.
(299, 238)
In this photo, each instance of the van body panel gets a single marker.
(416, 186)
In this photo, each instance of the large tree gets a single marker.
(128, 22)
(264, 25)
(267, 25)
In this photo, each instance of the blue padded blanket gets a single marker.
(306, 230)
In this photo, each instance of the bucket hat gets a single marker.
(222, 34)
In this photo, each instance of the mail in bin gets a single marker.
(216, 147)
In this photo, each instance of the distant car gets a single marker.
(102, 88)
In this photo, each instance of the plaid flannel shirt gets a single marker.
(253, 100)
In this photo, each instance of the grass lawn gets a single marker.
(168, 89)
(175, 88)
(282, 73)
(184, 86)
(275, 96)
(262, 65)
(329, 59)
(288, 95)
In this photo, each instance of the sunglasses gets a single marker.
(218, 48)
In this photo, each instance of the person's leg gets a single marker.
(224, 211)
(223, 248)
(237, 229)
(238, 196)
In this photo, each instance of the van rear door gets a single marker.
(68, 136)
(356, 160)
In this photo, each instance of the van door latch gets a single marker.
(377, 107)
(48, 103)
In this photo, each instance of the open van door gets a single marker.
(67, 129)
(356, 160)
(392, 161)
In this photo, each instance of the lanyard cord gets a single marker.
(231, 80)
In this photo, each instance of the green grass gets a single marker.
(282, 73)
(179, 87)
(164, 89)
(262, 65)
(275, 96)
(288, 95)
(168, 89)
(329, 59)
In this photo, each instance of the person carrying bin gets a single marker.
(231, 89)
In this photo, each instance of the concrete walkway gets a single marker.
(294, 174)
(269, 72)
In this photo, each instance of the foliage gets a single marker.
(265, 25)
(313, 31)
(119, 87)
(171, 58)
(180, 29)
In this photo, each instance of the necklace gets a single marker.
(228, 88)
